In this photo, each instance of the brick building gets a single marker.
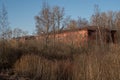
(79, 36)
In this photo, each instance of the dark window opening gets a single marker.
(113, 36)
(91, 34)
(108, 39)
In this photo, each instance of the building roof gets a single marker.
(96, 28)
(93, 28)
(87, 28)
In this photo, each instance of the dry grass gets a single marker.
(92, 65)
(98, 66)
(37, 61)
(38, 68)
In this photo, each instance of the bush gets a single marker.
(38, 68)
(9, 53)
(98, 66)
(60, 61)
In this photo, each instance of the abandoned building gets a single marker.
(91, 34)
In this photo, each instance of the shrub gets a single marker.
(98, 66)
(38, 68)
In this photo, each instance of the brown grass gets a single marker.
(36, 61)
(93, 64)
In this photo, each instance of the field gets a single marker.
(35, 60)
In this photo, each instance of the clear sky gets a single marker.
(21, 12)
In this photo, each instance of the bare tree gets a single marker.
(4, 24)
(18, 33)
(82, 22)
(111, 19)
(5, 34)
(43, 20)
(103, 19)
(108, 20)
(95, 18)
(117, 20)
(50, 20)
(58, 17)
(72, 24)
(66, 21)
(117, 24)
(96, 21)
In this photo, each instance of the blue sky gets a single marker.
(21, 12)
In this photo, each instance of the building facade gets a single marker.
(80, 36)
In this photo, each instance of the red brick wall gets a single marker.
(79, 37)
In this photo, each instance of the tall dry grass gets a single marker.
(35, 60)
(97, 65)
(38, 68)
(92, 64)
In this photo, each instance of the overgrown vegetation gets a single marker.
(35, 61)
(51, 59)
